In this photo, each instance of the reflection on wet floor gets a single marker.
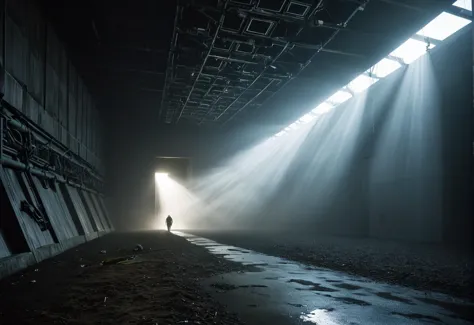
(286, 292)
(319, 316)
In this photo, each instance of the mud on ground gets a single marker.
(160, 285)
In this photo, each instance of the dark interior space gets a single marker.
(316, 158)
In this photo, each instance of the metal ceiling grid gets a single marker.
(229, 56)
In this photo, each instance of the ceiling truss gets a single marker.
(230, 57)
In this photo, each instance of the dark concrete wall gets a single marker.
(410, 175)
(429, 202)
(42, 83)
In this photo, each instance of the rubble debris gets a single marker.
(118, 260)
(138, 248)
(163, 277)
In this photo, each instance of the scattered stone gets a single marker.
(138, 248)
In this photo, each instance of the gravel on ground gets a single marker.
(111, 280)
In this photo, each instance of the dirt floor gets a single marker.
(424, 267)
(158, 286)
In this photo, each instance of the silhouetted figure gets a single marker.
(169, 222)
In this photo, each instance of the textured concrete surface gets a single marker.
(285, 292)
(15, 263)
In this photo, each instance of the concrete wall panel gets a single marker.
(91, 211)
(2, 30)
(79, 113)
(53, 51)
(14, 183)
(13, 92)
(59, 217)
(72, 100)
(40, 76)
(78, 207)
(4, 250)
(98, 211)
(46, 121)
(32, 108)
(62, 71)
(36, 29)
(100, 201)
(16, 51)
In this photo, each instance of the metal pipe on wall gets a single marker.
(18, 125)
(49, 139)
(13, 164)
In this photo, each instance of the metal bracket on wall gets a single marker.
(35, 214)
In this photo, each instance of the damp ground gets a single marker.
(111, 280)
(186, 279)
(420, 266)
(283, 292)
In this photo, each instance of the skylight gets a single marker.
(384, 68)
(411, 50)
(339, 97)
(440, 28)
(464, 4)
(443, 26)
(294, 126)
(322, 108)
(361, 83)
(307, 118)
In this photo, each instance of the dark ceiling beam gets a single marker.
(249, 102)
(399, 4)
(459, 12)
(170, 65)
(329, 40)
(218, 28)
(229, 59)
(282, 41)
(254, 81)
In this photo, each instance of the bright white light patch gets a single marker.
(361, 83)
(411, 50)
(322, 108)
(161, 176)
(339, 97)
(279, 134)
(443, 26)
(307, 118)
(319, 316)
(464, 4)
(294, 126)
(384, 68)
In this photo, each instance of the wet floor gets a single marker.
(280, 291)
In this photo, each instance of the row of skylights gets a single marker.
(464, 4)
(440, 28)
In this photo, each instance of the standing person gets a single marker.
(169, 222)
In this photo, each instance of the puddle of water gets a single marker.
(327, 297)
(319, 316)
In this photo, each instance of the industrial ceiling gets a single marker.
(216, 62)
